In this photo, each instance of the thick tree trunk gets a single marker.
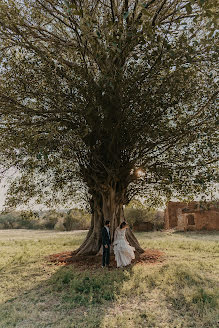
(107, 205)
(92, 242)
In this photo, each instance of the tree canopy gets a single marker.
(108, 95)
(109, 87)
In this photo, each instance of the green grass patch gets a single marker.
(181, 292)
(84, 288)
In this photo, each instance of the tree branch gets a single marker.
(157, 13)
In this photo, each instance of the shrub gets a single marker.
(136, 213)
(76, 219)
(8, 221)
(59, 226)
(19, 220)
(51, 219)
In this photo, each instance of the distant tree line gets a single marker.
(74, 219)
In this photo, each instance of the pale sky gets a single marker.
(2, 196)
(3, 190)
(5, 182)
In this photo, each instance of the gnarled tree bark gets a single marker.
(106, 205)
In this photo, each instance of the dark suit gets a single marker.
(106, 250)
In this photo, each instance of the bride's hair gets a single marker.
(123, 224)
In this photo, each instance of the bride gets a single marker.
(124, 253)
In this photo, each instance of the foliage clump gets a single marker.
(74, 219)
(136, 213)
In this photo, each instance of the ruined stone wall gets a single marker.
(205, 220)
(172, 210)
(183, 216)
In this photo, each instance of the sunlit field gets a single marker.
(181, 291)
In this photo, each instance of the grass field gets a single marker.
(182, 291)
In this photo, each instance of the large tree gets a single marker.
(115, 98)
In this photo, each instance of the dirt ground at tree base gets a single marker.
(150, 256)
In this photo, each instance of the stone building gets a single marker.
(191, 216)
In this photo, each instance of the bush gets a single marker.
(76, 219)
(59, 226)
(136, 213)
(8, 221)
(28, 220)
(51, 219)
(159, 220)
(19, 220)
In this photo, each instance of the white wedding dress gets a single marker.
(124, 253)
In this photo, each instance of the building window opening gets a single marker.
(191, 219)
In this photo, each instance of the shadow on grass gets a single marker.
(76, 298)
(88, 287)
(69, 298)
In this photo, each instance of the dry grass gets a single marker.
(181, 292)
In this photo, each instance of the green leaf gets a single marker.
(66, 3)
(72, 6)
(39, 156)
(189, 8)
(145, 5)
(146, 12)
(77, 13)
(125, 15)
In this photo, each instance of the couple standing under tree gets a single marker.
(124, 253)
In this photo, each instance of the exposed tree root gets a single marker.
(94, 261)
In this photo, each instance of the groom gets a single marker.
(106, 240)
